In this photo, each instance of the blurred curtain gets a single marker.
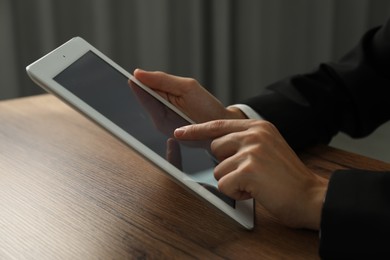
(234, 48)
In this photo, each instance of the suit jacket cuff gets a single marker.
(248, 111)
(356, 215)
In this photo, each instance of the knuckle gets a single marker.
(250, 136)
(215, 126)
(191, 81)
(261, 131)
(263, 124)
(251, 157)
(268, 126)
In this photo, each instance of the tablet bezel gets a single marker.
(43, 71)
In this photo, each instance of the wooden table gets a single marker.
(69, 190)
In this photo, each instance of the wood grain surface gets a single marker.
(69, 190)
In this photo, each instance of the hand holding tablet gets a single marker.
(93, 84)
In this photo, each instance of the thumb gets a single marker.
(161, 81)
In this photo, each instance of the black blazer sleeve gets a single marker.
(355, 221)
(351, 95)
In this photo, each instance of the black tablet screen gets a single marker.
(141, 115)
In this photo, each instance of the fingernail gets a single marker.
(138, 70)
(179, 132)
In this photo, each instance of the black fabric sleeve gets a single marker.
(351, 95)
(355, 221)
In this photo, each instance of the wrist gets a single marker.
(316, 204)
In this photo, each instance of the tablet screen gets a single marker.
(141, 115)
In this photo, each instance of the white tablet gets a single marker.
(86, 79)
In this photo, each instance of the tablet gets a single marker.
(94, 85)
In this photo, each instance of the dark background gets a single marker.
(234, 48)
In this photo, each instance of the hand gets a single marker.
(163, 118)
(188, 96)
(255, 161)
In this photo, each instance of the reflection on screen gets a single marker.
(141, 115)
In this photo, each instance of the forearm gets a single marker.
(350, 95)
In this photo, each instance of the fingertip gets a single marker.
(137, 71)
(179, 132)
(149, 78)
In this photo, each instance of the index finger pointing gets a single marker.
(210, 130)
